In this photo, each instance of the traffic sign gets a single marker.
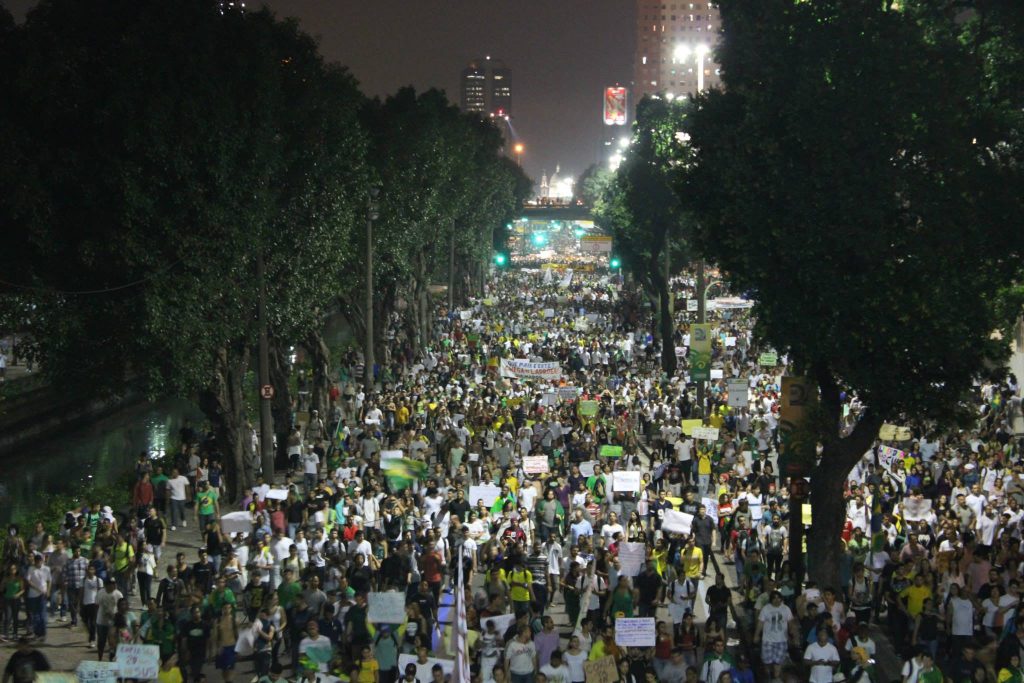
(267, 391)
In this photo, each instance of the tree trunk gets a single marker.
(223, 403)
(320, 357)
(665, 323)
(281, 405)
(828, 478)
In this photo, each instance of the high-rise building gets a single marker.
(675, 44)
(486, 87)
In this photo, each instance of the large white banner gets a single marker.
(524, 369)
(678, 522)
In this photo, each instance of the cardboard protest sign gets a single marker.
(587, 468)
(486, 492)
(601, 670)
(236, 523)
(689, 425)
(608, 451)
(706, 433)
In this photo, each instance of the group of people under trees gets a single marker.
(520, 486)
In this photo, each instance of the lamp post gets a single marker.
(518, 149)
(368, 359)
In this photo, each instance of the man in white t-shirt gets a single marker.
(773, 629)
(823, 658)
(317, 647)
(177, 490)
(310, 468)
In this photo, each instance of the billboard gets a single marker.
(596, 244)
(615, 106)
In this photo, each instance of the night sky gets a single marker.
(561, 53)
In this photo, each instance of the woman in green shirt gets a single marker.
(620, 604)
(12, 590)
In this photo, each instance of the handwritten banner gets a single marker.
(634, 632)
(675, 521)
(138, 661)
(523, 369)
(631, 558)
(386, 608)
(706, 433)
(626, 481)
(536, 464)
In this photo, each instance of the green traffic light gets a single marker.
(539, 238)
(499, 259)
(615, 263)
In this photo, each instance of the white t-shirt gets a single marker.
(827, 652)
(176, 487)
(310, 463)
(962, 617)
(520, 656)
(775, 622)
(560, 674)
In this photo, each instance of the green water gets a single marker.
(102, 451)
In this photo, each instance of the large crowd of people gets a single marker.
(540, 488)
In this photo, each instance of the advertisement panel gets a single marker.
(615, 106)
(596, 244)
(700, 352)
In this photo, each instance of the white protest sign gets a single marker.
(501, 622)
(634, 632)
(236, 523)
(730, 341)
(390, 455)
(549, 313)
(738, 392)
(535, 464)
(474, 457)
(691, 305)
(916, 510)
(568, 393)
(386, 608)
(711, 506)
(705, 433)
(89, 671)
(447, 665)
(487, 492)
(677, 522)
(717, 373)
(626, 481)
(550, 399)
(138, 661)
(277, 494)
(631, 558)
(587, 468)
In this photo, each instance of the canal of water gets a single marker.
(102, 451)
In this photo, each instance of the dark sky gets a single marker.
(561, 53)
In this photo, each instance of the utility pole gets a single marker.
(368, 360)
(266, 419)
(701, 318)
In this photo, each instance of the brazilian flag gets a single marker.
(402, 472)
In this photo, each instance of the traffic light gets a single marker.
(615, 262)
(540, 239)
(500, 259)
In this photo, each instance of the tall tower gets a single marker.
(474, 88)
(675, 42)
(486, 87)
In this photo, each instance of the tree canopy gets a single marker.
(853, 179)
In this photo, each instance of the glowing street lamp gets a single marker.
(681, 52)
(518, 149)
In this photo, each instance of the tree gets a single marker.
(851, 180)
(160, 148)
(641, 210)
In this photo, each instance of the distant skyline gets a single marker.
(561, 53)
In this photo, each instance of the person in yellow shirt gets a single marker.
(693, 560)
(915, 595)
(169, 671)
(703, 471)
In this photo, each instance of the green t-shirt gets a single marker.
(206, 500)
(12, 588)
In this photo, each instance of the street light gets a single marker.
(518, 149)
(681, 52)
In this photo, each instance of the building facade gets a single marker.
(486, 87)
(675, 43)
